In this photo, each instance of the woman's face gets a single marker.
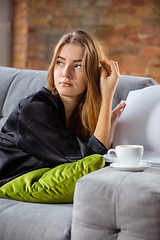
(68, 76)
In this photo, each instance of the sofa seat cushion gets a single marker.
(34, 221)
(111, 204)
(48, 185)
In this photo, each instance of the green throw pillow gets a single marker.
(51, 185)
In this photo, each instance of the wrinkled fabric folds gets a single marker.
(35, 136)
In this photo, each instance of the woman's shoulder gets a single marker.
(42, 103)
(40, 95)
(43, 96)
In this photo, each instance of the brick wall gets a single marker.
(20, 34)
(129, 31)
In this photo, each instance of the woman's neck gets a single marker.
(69, 105)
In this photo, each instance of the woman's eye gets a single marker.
(78, 66)
(59, 63)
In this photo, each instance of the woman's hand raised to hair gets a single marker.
(107, 119)
(108, 84)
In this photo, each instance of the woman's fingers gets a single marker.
(106, 68)
(112, 63)
(114, 118)
(118, 109)
(109, 83)
(114, 69)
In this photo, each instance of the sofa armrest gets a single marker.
(110, 204)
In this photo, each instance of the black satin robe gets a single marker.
(35, 136)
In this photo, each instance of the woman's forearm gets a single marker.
(102, 131)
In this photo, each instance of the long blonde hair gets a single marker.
(85, 116)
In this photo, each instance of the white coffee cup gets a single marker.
(127, 155)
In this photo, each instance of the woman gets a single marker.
(69, 120)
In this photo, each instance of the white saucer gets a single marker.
(139, 168)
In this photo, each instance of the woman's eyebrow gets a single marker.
(61, 57)
(78, 60)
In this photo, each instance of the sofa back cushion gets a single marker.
(15, 84)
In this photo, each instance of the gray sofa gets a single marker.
(108, 204)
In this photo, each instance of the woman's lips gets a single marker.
(66, 84)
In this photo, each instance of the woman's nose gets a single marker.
(67, 72)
